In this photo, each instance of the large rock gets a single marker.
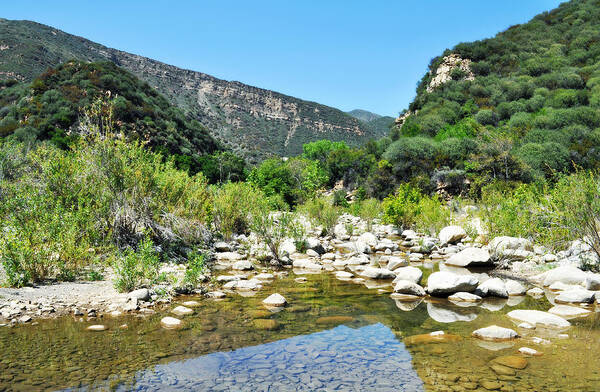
(470, 257)
(493, 287)
(538, 318)
(451, 235)
(340, 232)
(315, 244)
(510, 248)
(494, 332)
(222, 247)
(376, 273)
(369, 239)
(140, 294)
(565, 274)
(515, 288)
(412, 274)
(446, 283)
(242, 265)
(409, 287)
(307, 264)
(396, 262)
(568, 312)
(182, 311)
(170, 322)
(252, 284)
(579, 295)
(275, 300)
(229, 256)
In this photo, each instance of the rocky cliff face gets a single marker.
(443, 73)
(252, 121)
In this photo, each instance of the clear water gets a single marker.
(334, 335)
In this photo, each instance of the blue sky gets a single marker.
(347, 54)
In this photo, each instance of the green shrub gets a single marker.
(321, 212)
(368, 210)
(195, 268)
(409, 208)
(136, 268)
(273, 228)
(233, 205)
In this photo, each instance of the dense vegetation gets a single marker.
(531, 110)
(48, 109)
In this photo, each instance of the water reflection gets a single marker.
(339, 359)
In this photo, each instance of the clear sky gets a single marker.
(343, 53)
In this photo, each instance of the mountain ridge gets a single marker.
(254, 122)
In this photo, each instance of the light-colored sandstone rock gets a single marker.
(494, 332)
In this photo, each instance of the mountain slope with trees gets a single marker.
(254, 122)
(523, 105)
(49, 108)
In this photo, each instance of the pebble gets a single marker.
(96, 328)
(182, 311)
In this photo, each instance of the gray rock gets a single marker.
(376, 273)
(222, 247)
(493, 287)
(171, 322)
(140, 294)
(515, 288)
(229, 256)
(576, 296)
(182, 311)
(275, 300)
(408, 287)
(464, 297)
(409, 273)
(470, 257)
(566, 275)
(343, 275)
(444, 283)
(396, 262)
(510, 248)
(312, 253)
(315, 245)
(494, 332)
(451, 235)
(242, 265)
(568, 312)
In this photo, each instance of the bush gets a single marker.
(136, 268)
(273, 228)
(368, 210)
(409, 208)
(195, 269)
(233, 205)
(486, 117)
(321, 212)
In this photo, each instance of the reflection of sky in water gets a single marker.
(340, 359)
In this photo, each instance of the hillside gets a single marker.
(253, 121)
(379, 125)
(49, 109)
(529, 97)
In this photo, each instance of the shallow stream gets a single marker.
(334, 335)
